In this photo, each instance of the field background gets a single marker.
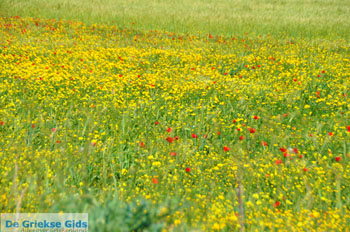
(177, 115)
(322, 19)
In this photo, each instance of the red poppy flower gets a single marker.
(226, 148)
(252, 130)
(282, 149)
(155, 180)
(305, 169)
(156, 123)
(142, 144)
(168, 130)
(234, 121)
(256, 117)
(338, 158)
(194, 136)
(278, 162)
(241, 138)
(176, 137)
(33, 126)
(277, 203)
(170, 139)
(53, 129)
(219, 133)
(263, 143)
(295, 150)
(348, 127)
(330, 133)
(173, 153)
(188, 169)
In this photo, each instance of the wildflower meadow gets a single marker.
(151, 130)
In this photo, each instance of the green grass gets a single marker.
(322, 19)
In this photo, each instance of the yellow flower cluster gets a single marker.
(242, 131)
